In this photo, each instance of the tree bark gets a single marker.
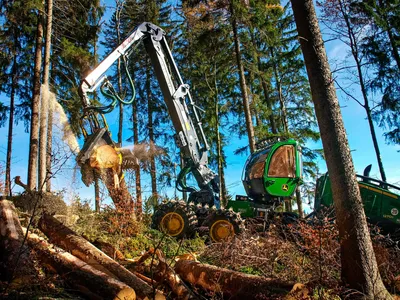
(243, 86)
(264, 85)
(14, 81)
(119, 74)
(153, 170)
(220, 158)
(164, 272)
(15, 260)
(96, 193)
(299, 203)
(359, 267)
(87, 279)
(284, 120)
(138, 184)
(120, 195)
(45, 95)
(234, 285)
(49, 146)
(34, 132)
(67, 239)
(42, 137)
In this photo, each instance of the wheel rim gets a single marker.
(221, 230)
(172, 224)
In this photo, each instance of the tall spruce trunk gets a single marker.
(119, 75)
(359, 267)
(34, 130)
(44, 108)
(299, 203)
(269, 105)
(243, 86)
(220, 158)
(138, 185)
(14, 81)
(96, 193)
(356, 55)
(153, 169)
(282, 103)
(264, 85)
(392, 39)
(49, 146)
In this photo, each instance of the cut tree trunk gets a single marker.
(87, 279)
(164, 272)
(15, 260)
(236, 285)
(120, 195)
(172, 279)
(67, 239)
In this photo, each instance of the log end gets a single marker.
(126, 294)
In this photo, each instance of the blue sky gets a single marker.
(354, 119)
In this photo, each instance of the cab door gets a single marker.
(283, 170)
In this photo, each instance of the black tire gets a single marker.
(224, 217)
(202, 213)
(183, 215)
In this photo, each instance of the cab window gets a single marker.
(256, 164)
(282, 163)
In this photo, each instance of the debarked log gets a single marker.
(15, 259)
(67, 239)
(236, 285)
(88, 280)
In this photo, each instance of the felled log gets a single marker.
(15, 260)
(172, 279)
(67, 239)
(109, 249)
(88, 280)
(164, 272)
(236, 285)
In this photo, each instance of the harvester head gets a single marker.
(100, 152)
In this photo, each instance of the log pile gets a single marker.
(95, 275)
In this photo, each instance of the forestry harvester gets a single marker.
(270, 174)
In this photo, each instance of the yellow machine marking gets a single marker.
(221, 230)
(172, 224)
(377, 190)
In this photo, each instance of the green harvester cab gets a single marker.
(270, 174)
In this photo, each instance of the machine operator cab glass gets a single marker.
(274, 171)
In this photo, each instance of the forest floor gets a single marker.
(305, 254)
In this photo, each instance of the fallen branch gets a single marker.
(15, 260)
(236, 285)
(88, 280)
(67, 239)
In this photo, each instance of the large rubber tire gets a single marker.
(175, 218)
(202, 213)
(223, 224)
